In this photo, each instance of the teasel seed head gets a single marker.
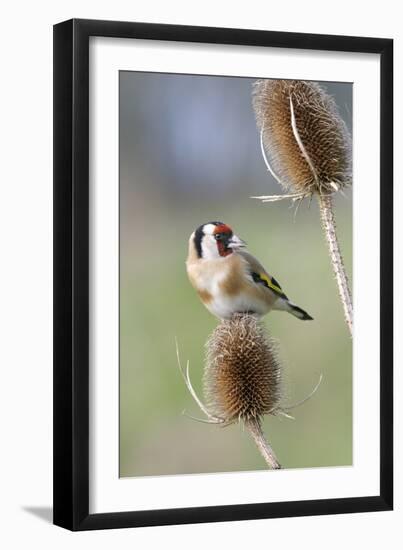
(242, 377)
(306, 141)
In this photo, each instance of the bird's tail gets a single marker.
(298, 312)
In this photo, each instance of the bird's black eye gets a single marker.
(218, 236)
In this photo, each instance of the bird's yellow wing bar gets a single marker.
(269, 282)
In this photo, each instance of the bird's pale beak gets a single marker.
(235, 243)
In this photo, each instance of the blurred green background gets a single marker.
(189, 153)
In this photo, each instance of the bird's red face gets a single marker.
(215, 240)
(222, 234)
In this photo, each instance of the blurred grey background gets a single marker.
(190, 153)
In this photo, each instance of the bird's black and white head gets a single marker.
(215, 240)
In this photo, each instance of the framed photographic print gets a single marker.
(223, 320)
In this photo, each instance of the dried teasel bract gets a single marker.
(306, 141)
(242, 377)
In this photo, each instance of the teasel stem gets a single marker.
(329, 228)
(254, 427)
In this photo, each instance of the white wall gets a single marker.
(25, 272)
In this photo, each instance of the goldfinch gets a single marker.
(228, 279)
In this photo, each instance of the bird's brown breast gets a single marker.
(205, 296)
(233, 283)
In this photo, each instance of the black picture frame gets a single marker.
(71, 274)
